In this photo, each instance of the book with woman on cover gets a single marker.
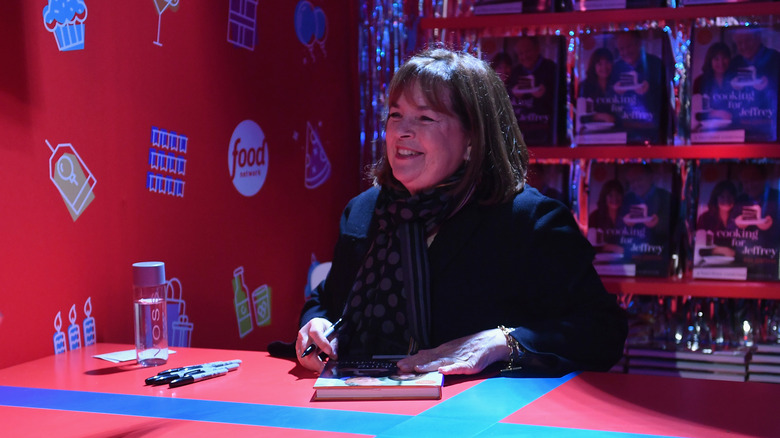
(623, 88)
(632, 213)
(735, 84)
(533, 71)
(735, 234)
(374, 379)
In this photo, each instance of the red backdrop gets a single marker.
(294, 66)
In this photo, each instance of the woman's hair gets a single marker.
(595, 57)
(719, 48)
(498, 162)
(610, 186)
(719, 189)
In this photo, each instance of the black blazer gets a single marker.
(523, 264)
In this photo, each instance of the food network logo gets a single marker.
(248, 158)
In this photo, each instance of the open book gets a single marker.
(374, 380)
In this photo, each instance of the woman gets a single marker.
(715, 81)
(609, 207)
(714, 71)
(608, 214)
(598, 84)
(451, 253)
(720, 216)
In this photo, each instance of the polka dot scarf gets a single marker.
(388, 309)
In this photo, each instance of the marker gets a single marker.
(166, 376)
(328, 333)
(197, 376)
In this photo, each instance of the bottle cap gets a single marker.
(148, 273)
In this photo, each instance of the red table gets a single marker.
(74, 394)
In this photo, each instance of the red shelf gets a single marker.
(689, 287)
(572, 19)
(717, 151)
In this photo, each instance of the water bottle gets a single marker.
(151, 337)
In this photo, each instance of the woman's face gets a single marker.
(423, 146)
(720, 63)
(725, 201)
(603, 68)
(614, 199)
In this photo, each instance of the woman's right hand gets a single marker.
(314, 333)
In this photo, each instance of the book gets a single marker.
(760, 377)
(632, 209)
(487, 7)
(687, 365)
(623, 88)
(593, 5)
(768, 348)
(340, 382)
(734, 73)
(533, 70)
(736, 356)
(735, 234)
(731, 377)
(705, 2)
(764, 368)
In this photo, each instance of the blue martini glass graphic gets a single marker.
(162, 6)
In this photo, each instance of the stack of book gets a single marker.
(764, 365)
(718, 365)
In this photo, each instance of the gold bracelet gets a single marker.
(515, 349)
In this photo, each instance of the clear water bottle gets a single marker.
(151, 337)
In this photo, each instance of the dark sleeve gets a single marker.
(573, 322)
(328, 298)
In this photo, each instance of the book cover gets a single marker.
(632, 211)
(552, 180)
(532, 68)
(734, 88)
(594, 5)
(735, 234)
(335, 383)
(622, 93)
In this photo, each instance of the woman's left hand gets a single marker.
(466, 355)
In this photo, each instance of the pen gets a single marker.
(328, 333)
(203, 374)
(166, 376)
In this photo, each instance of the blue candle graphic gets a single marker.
(74, 333)
(89, 324)
(59, 336)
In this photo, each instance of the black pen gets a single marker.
(203, 374)
(328, 333)
(166, 376)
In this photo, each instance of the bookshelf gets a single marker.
(568, 21)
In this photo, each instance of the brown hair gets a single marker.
(499, 157)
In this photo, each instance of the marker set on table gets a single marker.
(176, 377)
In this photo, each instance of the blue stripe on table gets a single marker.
(201, 410)
(474, 412)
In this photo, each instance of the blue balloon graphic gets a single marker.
(321, 24)
(304, 22)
